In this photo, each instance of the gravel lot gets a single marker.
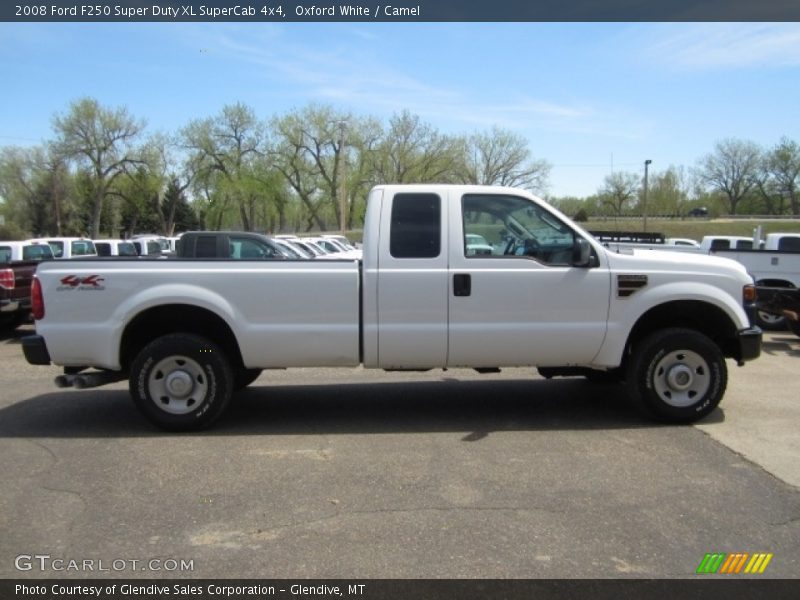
(445, 474)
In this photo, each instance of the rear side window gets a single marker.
(103, 248)
(790, 244)
(126, 249)
(205, 246)
(416, 226)
(720, 245)
(82, 248)
(37, 252)
(5, 254)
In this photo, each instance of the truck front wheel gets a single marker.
(677, 375)
(181, 382)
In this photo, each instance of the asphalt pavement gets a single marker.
(326, 473)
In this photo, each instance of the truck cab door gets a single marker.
(412, 284)
(525, 288)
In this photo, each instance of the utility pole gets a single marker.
(644, 196)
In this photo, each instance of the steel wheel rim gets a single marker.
(681, 378)
(770, 318)
(178, 385)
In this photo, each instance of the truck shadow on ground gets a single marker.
(475, 408)
(777, 344)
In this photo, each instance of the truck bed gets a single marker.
(284, 313)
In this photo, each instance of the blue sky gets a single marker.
(588, 97)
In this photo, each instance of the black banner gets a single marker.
(386, 589)
(398, 10)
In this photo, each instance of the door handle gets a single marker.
(462, 284)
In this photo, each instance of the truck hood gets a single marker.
(677, 262)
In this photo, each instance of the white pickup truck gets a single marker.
(773, 263)
(188, 333)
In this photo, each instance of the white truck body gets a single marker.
(554, 298)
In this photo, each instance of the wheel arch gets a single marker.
(697, 315)
(165, 319)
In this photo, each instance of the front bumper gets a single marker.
(35, 350)
(748, 344)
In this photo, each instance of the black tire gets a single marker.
(771, 322)
(181, 382)
(676, 375)
(244, 377)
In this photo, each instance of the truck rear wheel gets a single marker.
(181, 382)
(677, 375)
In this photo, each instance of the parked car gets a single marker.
(773, 263)
(237, 245)
(783, 242)
(150, 245)
(115, 248)
(347, 244)
(68, 247)
(701, 211)
(291, 249)
(682, 242)
(311, 249)
(336, 249)
(25, 251)
(476, 245)
(18, 262)
(712, 243)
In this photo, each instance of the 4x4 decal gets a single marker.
(89, 282)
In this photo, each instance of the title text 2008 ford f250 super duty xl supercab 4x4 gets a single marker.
(187, 334)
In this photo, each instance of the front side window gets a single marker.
(416, 226)
(5, 254)
(509, 226)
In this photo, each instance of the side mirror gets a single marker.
(581, 253)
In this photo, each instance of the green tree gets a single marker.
(412, 151)
(619, 190)
(100, 140)
(501, 157)
(668, 192)
(782, 163)
(225, 151)
(732, 169)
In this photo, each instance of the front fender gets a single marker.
(626, 312)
